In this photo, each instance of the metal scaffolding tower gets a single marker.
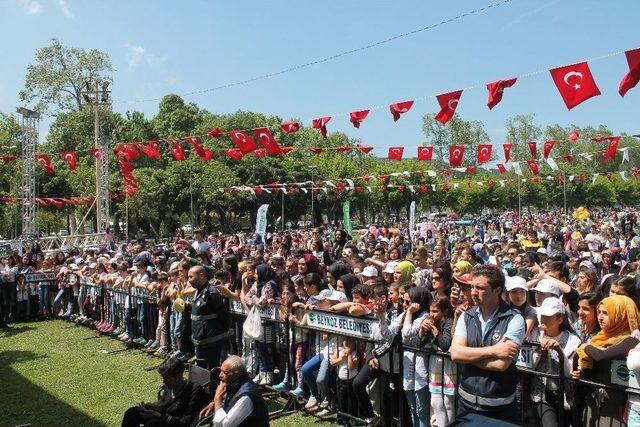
(29, 121)
(98, 99)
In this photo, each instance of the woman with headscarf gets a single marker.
(338, 245)
(335, 270)
(403, 271)
(308, 263)
(346, 283)
(263, 292)
(618, 317)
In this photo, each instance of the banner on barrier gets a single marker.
(270, 311)
(47, 276)
(525, 358)
(357, 327)
(621, 375)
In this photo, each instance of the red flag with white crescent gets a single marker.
(484, 153)
(268, 141)
(290, 127)
(395, 153)
(45, 162)
(400, 108)
(71, 158)
(448, 104)
(215, 133)
(260, 153)
(56, 203)
(631, 79)
(316, 150)
(177, 151)
(365, 148)
(574, 136)
(495, 91)
(533, 149)
(151, 149)
(233, 153)
(533, 166)
(501, 168)
(125, 166)
(569, 158)
(9, 159)
(321, 125)
(546, 149)
(287, 150)
(243, 141)
(128, 152)
(507, 151)
(456, 153)
(612, 149)
(96, 152)
(425, 153)
(357, 117)
(575, 83)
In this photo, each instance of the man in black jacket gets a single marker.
(178, 406)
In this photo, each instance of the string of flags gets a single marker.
(368, 183)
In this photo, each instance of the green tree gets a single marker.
(456, 132)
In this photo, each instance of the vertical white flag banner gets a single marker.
(261, 220)
(412, 219)
(516, 168)
(552, 164)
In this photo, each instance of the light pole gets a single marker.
(313, 213)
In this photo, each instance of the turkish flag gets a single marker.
(456, 153)
(425, 153)
(612, 149)
(533, 149)
(243, 141)
(71, 158)
(151, 150)
(316, 150)
(569, 158)
(42, 202)
(574, 136)
(45, 162)
(484, 153)
(395, 153)
(177, 151)
(495, 91)
(357, 117)
(287, 150)
(207, 155)
(448, 104)
(365, 148)
(400, 108)
(233, 153)
(96, 152)
(507, 152)
(125, 166)
(197, 146)
(260, 153)
(9, 159)
(343, 149)
(575, 83)
(56, 203)
(290, 127)
(471, 170)
(268, 141)
(321, 125)
(546, 150)
(501, 168)
(129, 153)
(257, 189)
(215, 133)
(631, 79)
(533, 166)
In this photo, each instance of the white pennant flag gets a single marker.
(284, 190)
(625, 154)
(331, 184)
(501, 182)
(350, 182)
(623, 175)
(460, 169)
(549, 178)
(552, 164)
(252, 191)
(395, 174)
(516, 168)
(266, 190)
(369, 188)
(456, 184)
(406, 173)
(433, 187)
(595, 176)
(432, 173)
(304, 189)
(411, 187)
(587, 156)
(479, 183)
(571, 177)
(324, 189)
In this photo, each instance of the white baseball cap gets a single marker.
(550, 306)
(370, 271)
(547, 286)
(542, 251)
(330, 294)
(515, 282)
(390, 267)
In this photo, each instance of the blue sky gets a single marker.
(161, 47)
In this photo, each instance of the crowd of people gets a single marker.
(566, 288)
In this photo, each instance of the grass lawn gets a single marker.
(56, 374)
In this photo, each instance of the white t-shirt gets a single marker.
(344, 373)
(593, 241)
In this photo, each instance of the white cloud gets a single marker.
(33, 8)
(138, 54)
(64, 7)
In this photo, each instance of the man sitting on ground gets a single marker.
(179, 405)
(238, 400)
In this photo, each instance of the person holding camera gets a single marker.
(178, 406)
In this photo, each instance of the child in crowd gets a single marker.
(517, 296)
(345, 360)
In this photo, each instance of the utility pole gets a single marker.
(29, 125)
(313, 213)
(98, 98)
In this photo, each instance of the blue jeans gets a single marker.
(264, 357)
(43, 293)
(317, 383)
(57, 302)
(176, 324)
(419, 404)
(142, 320)
(115, 315)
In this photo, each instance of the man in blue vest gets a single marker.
(486, 343)
(238, 400)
